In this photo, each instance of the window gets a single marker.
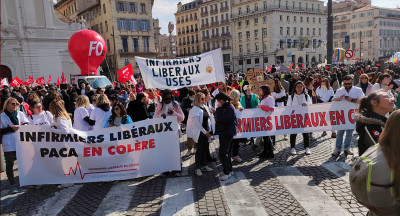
(247, 23)
(319, 19)
(369, 44)
(133, 25)
(281, 18)
(240, 49)
(264, 19)
(143, 8)
(240, 11)
(248, 34)
(281, 31)
(319, 31)
(301, 31)
(104, 8)
(240, 35)
(294, 31)
(313, 19)
(145, 25)
(146, 44)
(248, 61)
(108, 45)
(313, 31)
(255, 7)
(121, 24)
(248, 9)
(125, 44)
(265, 5)
(265, 31)
(106, 26)
(301, 19)
(294, 18)
(132, 7)
(308, 31)
(120, 6)
(288, 19)
(257, 47)
(255, 20)
(126, 61)
(257, 61)
(308, 19)
(248, 48)
(288, 31)
(256, 33)
(101, 28)
(239, 24)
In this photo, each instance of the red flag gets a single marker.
(48, 82)
(28, 81)
(63, 80)
(40, 81)
(16, 82)
(58, 81)
(302, 65)
(126, 74)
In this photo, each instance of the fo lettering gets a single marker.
(97, 47)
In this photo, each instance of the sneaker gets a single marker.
(312, 138)
(336, 152)
(206, 169)
(333, 135)
(308, 151)
(348, 151)
(324, 133)
(14, 190)
(237, 159)
(225, 177)
(293, 151)
(188, 152)
(285, 137)
(198, 172)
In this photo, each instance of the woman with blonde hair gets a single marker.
(32, 97)
(62, 121)
(198, 128)
(364, 84)
(81, 114)
(101, 113)
(11, 118)
(235, 96)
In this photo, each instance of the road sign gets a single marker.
(348, 54)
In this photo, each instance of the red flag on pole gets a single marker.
(58, 81)
(63, 80)
(40, 81)
(16, 82)
(126, 74)
(48, 82)
(28, 81)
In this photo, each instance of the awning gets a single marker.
(296, 41)
(315, 40)
(289, 41)
(282, 41)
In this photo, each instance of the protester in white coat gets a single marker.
(10, 121)
(81, 113)
(101, 113)
(39, 116)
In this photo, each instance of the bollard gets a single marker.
(2, 162)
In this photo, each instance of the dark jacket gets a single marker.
(137, 110)
(225, 118)
(185, 106)
(369, 126)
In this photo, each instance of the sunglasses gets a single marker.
(347, 83)
(202, 98)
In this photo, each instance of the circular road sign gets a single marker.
(348, 54)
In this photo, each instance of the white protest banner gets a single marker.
(134, 150)
(178, 73)
(296, 119)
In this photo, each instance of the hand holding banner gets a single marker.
(178, 73)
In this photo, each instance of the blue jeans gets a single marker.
(347, 140)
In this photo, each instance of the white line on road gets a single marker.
(240, 196)
(117, 200)
(340, 169)
(313, 199)
(178, 197)
(53, 205)
(8, 198)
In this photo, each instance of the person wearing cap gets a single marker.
(249, 100)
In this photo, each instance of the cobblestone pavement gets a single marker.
(145, 196)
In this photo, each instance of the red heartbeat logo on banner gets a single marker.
(83, 176)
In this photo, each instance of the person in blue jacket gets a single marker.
(118, 117)
(249, 100)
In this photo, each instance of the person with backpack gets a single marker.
(375, 176)
(225, 127)
(299, 97)
(371, 118)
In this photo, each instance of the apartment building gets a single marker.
(66, 11)
(374, 32)
(157, 34)
(167, 46)
(126, 26)
(349, 5)
(267, 32)
(187, 28)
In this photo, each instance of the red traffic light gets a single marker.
(378, 65)
(327, 67)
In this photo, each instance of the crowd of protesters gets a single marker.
(208, 110)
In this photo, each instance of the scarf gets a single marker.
(12, 116)
(364, 87)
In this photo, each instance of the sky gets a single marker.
(164, 10)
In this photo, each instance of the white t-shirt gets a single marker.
(325, 94)
(79, 114)
(354, 93)
(100, 117)
(43, 118)
(279, 95)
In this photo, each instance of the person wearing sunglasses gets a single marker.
(348, 93)
(11, 118)
(364, 84)
(118, 117)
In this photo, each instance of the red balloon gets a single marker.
(88, 49)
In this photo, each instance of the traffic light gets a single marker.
(327, 67)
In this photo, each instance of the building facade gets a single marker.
(157, 34)
(373, 32)
(267, 32)
(167, 46)
(187, 28)
(34, 41)
(126, 26)
(216, 29)
(348, 5)
(66, 11)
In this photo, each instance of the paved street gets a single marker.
(287, 185)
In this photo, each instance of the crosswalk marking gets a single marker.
(53, 205)
(315, 201)
(8, 198)
(117, 200)
(340, 169)
(178, 197)
(240, 196)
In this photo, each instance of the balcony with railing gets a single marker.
(203, 26)
(204, 13)
(206, 37)
(224, 9)
(206, 50)
(214, 11)
(214, 23)
(226, 47)
(214, 36)
(225, 21)
(226, 34)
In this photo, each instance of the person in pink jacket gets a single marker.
(169, 107)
